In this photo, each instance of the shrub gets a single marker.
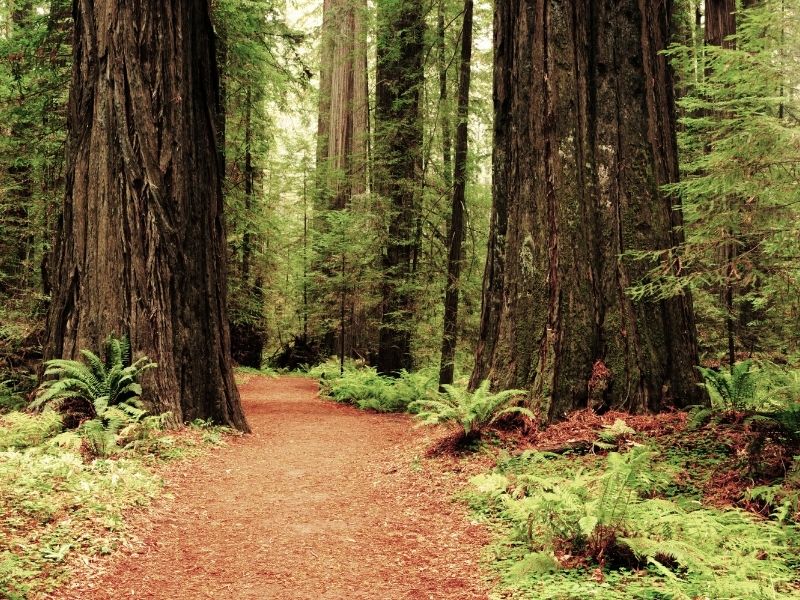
(471, 412)
(731, 390)
(99, 397)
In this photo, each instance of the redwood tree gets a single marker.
(140, 247)
(398, 159)
(584, 138)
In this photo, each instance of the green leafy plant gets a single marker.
(365, 388)
(561, 519)
(731, 390)
(10, 399)
(21, 430)
(102, 432)
(471, 412)
(101, 397)
(94, 385)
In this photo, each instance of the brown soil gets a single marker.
(322, 501)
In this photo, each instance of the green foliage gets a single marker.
(54, 505)
(10, 400)
(57, 504)
(731, 390)
(559, 518)
(740, 152)
(21, 430)
(366, 389)
(611, 435)
(98, 384)
(472, 412)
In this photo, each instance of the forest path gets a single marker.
(322, 502)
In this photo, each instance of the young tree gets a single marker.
(398, 161)
(141, 239)
(584, 138)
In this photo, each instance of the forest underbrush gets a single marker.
(62, 504)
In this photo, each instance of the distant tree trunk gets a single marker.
(720, 24)
(398, 158)
(456, 233)
(444, 109)
(141, 241)
(343, 129)
(249, 188)
(584, 138)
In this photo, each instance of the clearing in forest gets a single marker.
(322, 501)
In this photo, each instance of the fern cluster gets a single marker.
(611, 519)
(471, 412)
(365, 388)
(103, 395)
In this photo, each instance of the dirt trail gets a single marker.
(322, 501)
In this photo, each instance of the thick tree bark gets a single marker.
(141, 243)
(720, 22)
(398, 161)
(343, 124)
(456, 232)
(584, 138)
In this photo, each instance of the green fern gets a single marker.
(731, 390)
(97, 383)
(471, 412)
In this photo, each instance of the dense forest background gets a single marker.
(324, 259)
(567, 231)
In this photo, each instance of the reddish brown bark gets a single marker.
(398, 161)
(141, 242)
(455, 236)
(584, 138)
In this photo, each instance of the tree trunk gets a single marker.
(141, 242)
(456, 233)
(398, 161)
(720, 24)
(584, 138)
(343, 129)
(444, 108)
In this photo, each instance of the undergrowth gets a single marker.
(574, 527)
(365, 388)
(58, 502)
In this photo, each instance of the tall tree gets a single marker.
(141, 240)
(343, 128)
(584, 138)
(342, 165)
(455, 237)
(398, 161)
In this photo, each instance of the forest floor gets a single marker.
(321, 501)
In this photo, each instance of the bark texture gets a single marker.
(140, 248)
(343, 125)
(398, 162)
(455, 236)
(584, 137)
(343, 151)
